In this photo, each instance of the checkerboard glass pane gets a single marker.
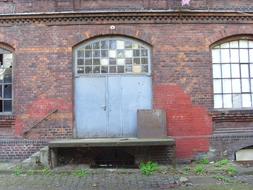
(113, 55)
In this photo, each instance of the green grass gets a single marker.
(80, 173)
(199, 170)
(149, 168)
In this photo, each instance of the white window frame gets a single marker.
(233, 75)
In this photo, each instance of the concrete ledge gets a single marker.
(111, 142)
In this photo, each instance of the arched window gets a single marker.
(6, 60)
(112, 55)
(233, 74)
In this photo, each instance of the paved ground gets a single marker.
(105, 180)
(108, 181)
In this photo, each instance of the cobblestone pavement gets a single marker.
(110, 181)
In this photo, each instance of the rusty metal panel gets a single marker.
(151, 124)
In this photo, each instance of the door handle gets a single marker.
(103, 107)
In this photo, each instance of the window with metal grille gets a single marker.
(6, 59)
(233, 74)
(112, 55)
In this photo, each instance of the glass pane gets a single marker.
(244, 56)
(7, 106)
(237, 100)
(104, 61)
(226, 73)
(227, 98)
(120, 44)
(135, 46)
(88, 61)
(129, 61)
(251, 55)
(246, 100)
(112, 61)
(7, 60)
(216, 55)
(137, 61)
(136, 53)
(225, 56)
(129, 68)
(250, 44)
(96, 53)
(80, 70)
(243, 43)
(96, 61)
(104, 53)
(120, 61)
(251, 82)
(224, 45)
(234, 44)
(251, 70)
(234, 53)
(112, 53)
(121, 69)
(217, 86)
(144, 68)
(129, 53)
(217, 101)
(1, 96)
(235, 70)
(112, 44)
(245, 70)
(112, 69)
(88, 69)
(96, 69)
(236, 85)
(80, 62)
(104, 44)
(226, 86)
(137, 68)
(7, 91)
(144, 61)
(8, 75)
(80, 53)
(128, 44)
(88, 47)
(88, 54)
(104, 69)
(245, 85)
(120, 54)
(144, 52)
(96, 45)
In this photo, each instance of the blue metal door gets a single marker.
(90, 106)
(107, 106)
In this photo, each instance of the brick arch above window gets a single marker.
(233, 73)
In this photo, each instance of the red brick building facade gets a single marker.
(42, 35)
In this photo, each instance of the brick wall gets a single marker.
(24, 6)
(181, 71)
(19, 149)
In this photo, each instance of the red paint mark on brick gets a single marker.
(38, 109)
(186, 122)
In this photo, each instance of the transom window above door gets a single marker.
(112, 55)
(233, 74)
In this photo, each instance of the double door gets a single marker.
(106, 106)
